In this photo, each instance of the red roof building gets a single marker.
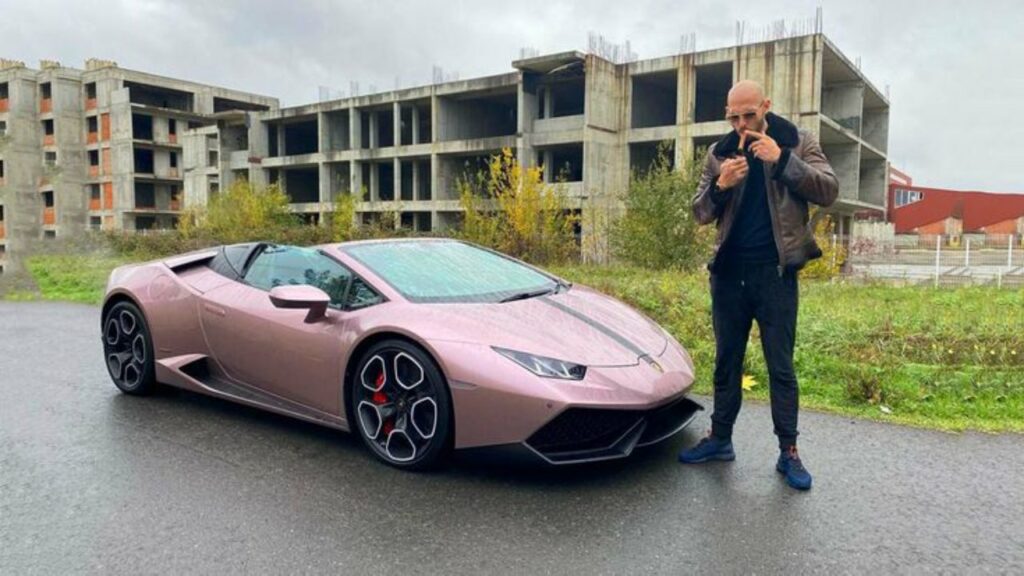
(920, 210)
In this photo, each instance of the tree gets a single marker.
(511, 209)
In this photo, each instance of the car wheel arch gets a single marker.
(116, 298)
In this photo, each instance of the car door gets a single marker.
(275, 349)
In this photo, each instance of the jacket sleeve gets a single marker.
(709, 202)
(809, 174)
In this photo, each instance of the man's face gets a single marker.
(747, 113)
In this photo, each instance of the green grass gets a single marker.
(949, 359)
(76, 278)
(946, 359)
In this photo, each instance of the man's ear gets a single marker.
(767, 105)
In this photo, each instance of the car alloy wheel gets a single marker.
(401, 405)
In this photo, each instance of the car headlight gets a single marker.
(543, 366)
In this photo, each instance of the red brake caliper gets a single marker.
(380, 398)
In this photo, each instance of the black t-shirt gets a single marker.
(751, 238)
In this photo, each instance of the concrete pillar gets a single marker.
(396, 117)
(415, 125)
(524, 155)
(325, 182)
(435, 118)
(549, 170)
(683, 96)
(435, 190)
(415, 176)
(323, 131)
(280, 140)
(398, 178)
(549, 103)
(355, 128)
(526, 104)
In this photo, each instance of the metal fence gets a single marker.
(938, 260)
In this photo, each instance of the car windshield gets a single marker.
(449, 271)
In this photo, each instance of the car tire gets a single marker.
(128, 349)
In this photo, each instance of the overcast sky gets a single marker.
(955, 69)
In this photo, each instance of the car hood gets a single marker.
(580, 325)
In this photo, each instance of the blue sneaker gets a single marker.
(708, 449)
(796, 475)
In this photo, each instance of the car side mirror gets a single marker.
(301, 297)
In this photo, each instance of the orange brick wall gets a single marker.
(1005, 227)
(108, 195)
(946, 226)
(105, 160)
(105, 126)
(933, 229)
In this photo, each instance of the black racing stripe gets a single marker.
(619, 338)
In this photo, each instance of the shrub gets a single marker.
(154, 244)
(342, 220)
(239, 214)
(833, 253)
(658, 230)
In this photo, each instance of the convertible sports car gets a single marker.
(421, 345)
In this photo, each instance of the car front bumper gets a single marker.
(606, 415)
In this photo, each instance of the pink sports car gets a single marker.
(420, 345)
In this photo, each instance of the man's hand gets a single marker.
(764, 147)
(733, 171)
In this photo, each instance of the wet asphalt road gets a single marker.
(97, 482)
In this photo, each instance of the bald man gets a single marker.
(756, 186)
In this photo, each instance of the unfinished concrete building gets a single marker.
(587, 121)
(106, 147)
(97, 148)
